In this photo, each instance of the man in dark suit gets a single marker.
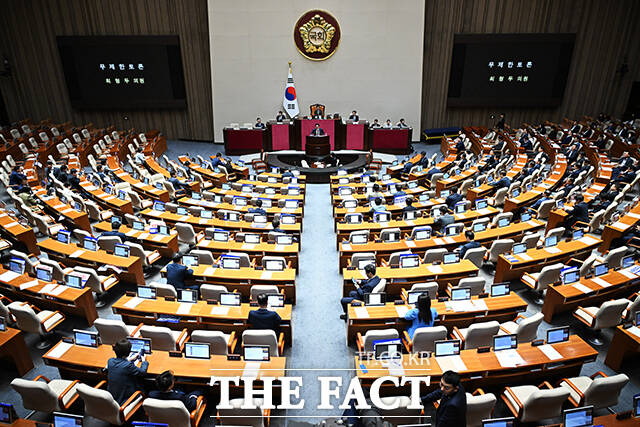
(258, 208)
(546, 196)
(503, 182)
(409, 205)
(263, 318)
(165, 383)
(115, 231)
(259, 124)
(452, 411)
(177, 274)
(365, 286)
(122, 373)
(17, 177)
(354, 116)
(626, 176)
(501, 122)
(440, 224)
(580, 212)
(453, 198)
(280, 117)
(317, 113)
(471, 243)
(317, 130)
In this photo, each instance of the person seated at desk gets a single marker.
(626, 176)
(388, 124)
(354, 116)
(402, 124)
(377, 205)
(122, 373)
(434, 170)
(422, 316)
(115, 231)
(460, 147)
(579, 212)
(317, 113)
(630, 238)
(25, 194)
(263, 318)
(373, 191)
(365, 286)
(259, 124)
(177, 184)
(60, 173)
(287, 174)
(567, 187)
(490, 162)
(258, 208)
(280, 117)
(375, 124)
(453, 198)
(275, 224)
(545, 196)
(413, 161)
(17, 177)
(441, 223)
(503, 182)
(409, 205)
(605, 198)
(470, 244)
(139, 157)
(100, 172)
(165, 383)
(177, 274)
(317, 130)
(452, 410)
(220, 162)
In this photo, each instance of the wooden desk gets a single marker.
(562, 298)
(274, 196)
(501, 309)
(558, 171)
(200, 316)
(255, 251)
(77, 302)
(86, 364)
(610, 421)
(396, 210)
(484, 370)
(397, 278)
(107, 201)
(146, 190)
(12, 345)
(624, 343)
(217, 178)
(269, 183)
(18, 233)
(131, 267)
(165, 245)
(618, 228)
(56, 208)
(337, 199)
(155, 167)
(539, 258)
(271, 212)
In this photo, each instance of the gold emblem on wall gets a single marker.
(317, 35)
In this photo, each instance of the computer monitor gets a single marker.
(422, 233)
(382, 217)
(138, 225)
(196, 196)
(291, 204)
(571, 276)
(627, 261)
(6, 413)
(460, 294)
(423, 197)
(74, 281)
(500, 289)
(550, 241)
(158, 206)
(146, 292)
(255, 353)
(274, 265)
(107, 189)
(451, 258)
(230, 298)
(90, 244)
(479, 227)
(556, 335)
(266, 203)
(600, 269)
(410, 215)
(230, 262)
(182, 211)
(67, 420)
(481, 203)
(525, 217)
(409, 261)
(375, 299)
(63, 236)
(44, 272)
(292, 190)
(122, 195)
(197, 350)
(499, 422)
(189, 260)
(246, 188)
(387, 349)
(3, 324)
(447, 348)
(350, 204)
(353, 218)
(121, 250)
(140, 345)
(240, 201)
(159, 186)
(206, 214)
(163, 229)
(252, 238)
(393, 236)
(436, 213)
(85, 338)
(505, 342)
(286, 219)
(578, 417)
(503, 222)
(636, 406)
(445, 193)
(362, 263)
(284, 239)
(412, 296)
(460, 208)
(188, 295)
(275, 300)
(519, 248)
(577, 234)
(233, 216)
(17, 265)
(452, 230)
(515, 192)
(637, 319)
(359, 239)
(220, 235)
(269, 190)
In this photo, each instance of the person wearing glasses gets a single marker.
(452, 410)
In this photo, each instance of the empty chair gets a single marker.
(614, 257)
(633, 306)
(499, 247)
(545, 209)
(394, 258)
(554, 232)
(538, 282)
(46, 395)
(598, 390)
(137, 203)
(219, 342)
(111, 331)
(476, 256)
(479, 407)
(424, 338)
(98, 283)
(280, 260)
(430, 288)
(29, 262)
(42, 323)
(262, 289)
(108, 243)
(100, 404)
(388, 233)
(245, 261)
(500, 196)
(608, 315)
(264, 337)
(529, 403)
(476, 284)
(530, 240)
(173, 413)
(609, 211)
(359, 260)
(187, 235)
(477, 334)
(237, 415)
(163, 289)
(212, 292)
(402, 414)
(526, 330)
(432, 255)
(365, 343)
(500, 216)
(163, 338)
(358, 233)
(586, 265)
(58, 272)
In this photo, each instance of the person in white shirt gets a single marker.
(388, 124)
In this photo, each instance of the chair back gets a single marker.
(432, 255)
(531, 240)
(161, 337)
(361, 232)
(108, 243)
(475, 283)
(237, 416)
(548, 275)
(265, 337)
(401, 415)
(111, 331)
(587, 264)
(218, 341)
(204, 257)
(378, 335)
(170, 412)
(262, 289)
(545, 209)
(501, 194)
(26, 318)
(424, 338)
(186, 233)
(36, 395)
(428, 287)
(93, 280)
(543, 404)
(614, 257)
(605, 391)
(476, 256)
(394, 258)
(359, 257)
(499, 247)
(609, 314)
(528, 328)
(212, 292)
(99, 404)
(380, 287)
(164, 289)
(481, 334)
(479, 408)
(245, 261)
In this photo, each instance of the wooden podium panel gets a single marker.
(355, 135)
(391, 140)
(317, 146)
(243, 141)
(307, 125)
(281, 138)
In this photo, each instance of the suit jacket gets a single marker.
(580, 212)
(367, 286)
(280, 118)
(189, 400)
(122, 376)
(502, 183)
(317, 132)
(453, 199)
(452, 411)
(115, 233)
(177, 274)
(464, 248)
(354, 117)
(265, 319)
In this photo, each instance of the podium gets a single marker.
(317, 146)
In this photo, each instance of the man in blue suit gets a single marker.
(365, 286)
(177, 274)
(452, 411)
(453, 198)
(471, 243)
(115, 231)
(122, 373)
(503, 182)
(263, 318)
(258, 208)
(165, 383)
(317, 131)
